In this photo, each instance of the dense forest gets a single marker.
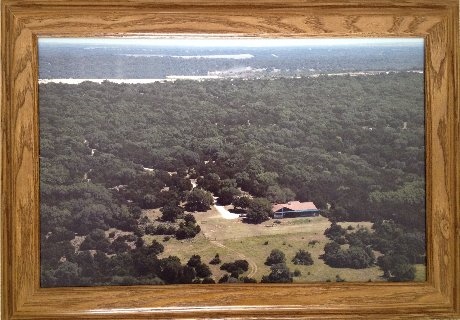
(353, 145)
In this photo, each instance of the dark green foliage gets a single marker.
(215, 260)
(238, 266)
(171, 212)
(171, 269)
(187, 230)
(96, 240)
(189, 218)
(139, 242)
(276, 256)
(224, 278)
(248, 280)
(160, 229)
(208, 280)
(335, 231)
(355, 257)
(227, 194)
(202, 271)
(302, 257)
(259, 210)
(155, 248)
(241, 203)
(280, 273)
(199, 200)
(118, 246)
(194, 261)
(396, 268)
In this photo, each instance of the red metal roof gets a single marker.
(295, 206)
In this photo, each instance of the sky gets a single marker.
(194, 41)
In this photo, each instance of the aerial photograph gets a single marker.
(211, 160)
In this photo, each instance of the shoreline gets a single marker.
(209, 77)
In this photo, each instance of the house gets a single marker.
(294, 209)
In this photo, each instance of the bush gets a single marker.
(248, 280)
(203, 271)
(215, 260)
(96, 240)
(338, 278)
(335, 231)
(187, 230)
(189, 218)
(170, 212)
(302, 257)
(155, 248)
(355, 257)
(275, 257)
(396, 268)
(312, 242)
(224, 279)
(119, 245)
(279, 274)
(208, 280)
(238, 266)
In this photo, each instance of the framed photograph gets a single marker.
(202, 160)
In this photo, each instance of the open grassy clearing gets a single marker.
(256, 248)
(233, 239)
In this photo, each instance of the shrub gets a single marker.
(238, 266)
(335, 231)
(302, 257)
(208, 280)
(215, 260)
(96, 240)
(248, 280)
(194, 261)
(355, 257)
(187, 230)
(223, 279)
(275, 257)
(203, 271)
(279, 274)
(312, 242)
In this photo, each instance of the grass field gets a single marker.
(233, 239)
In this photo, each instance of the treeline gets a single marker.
(400, 250)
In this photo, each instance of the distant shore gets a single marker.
(174, 78)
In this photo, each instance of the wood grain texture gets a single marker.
(23, 21)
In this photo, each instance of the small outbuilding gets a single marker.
(294, 209)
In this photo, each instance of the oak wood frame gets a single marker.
(23, 21)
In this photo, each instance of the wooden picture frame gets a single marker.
(24, 21)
